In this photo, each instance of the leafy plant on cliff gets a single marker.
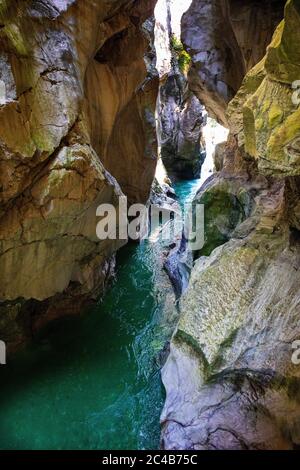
(183, 58)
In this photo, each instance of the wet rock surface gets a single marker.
(230, 379)
(76, 116)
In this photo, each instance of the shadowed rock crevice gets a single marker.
(110, 52)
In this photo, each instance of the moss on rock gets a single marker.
(223, 209)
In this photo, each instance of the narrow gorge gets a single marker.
(146, 342)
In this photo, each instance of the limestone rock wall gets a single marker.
(180, 114)
(225, 38)
(265, 113)
(181, 122)
(230, 378)
(76, 129)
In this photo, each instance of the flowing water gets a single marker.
(93, 382)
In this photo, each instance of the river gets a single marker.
(93, 381)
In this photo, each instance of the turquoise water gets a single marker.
(93, 382)
(186, 190)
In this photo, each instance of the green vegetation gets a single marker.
(183, 58)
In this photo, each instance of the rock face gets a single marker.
(180, 114)
(225, 38)
(231, 379)
(181, 123)
(266, 105)
(77, 129)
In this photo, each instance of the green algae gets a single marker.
(16, 38)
